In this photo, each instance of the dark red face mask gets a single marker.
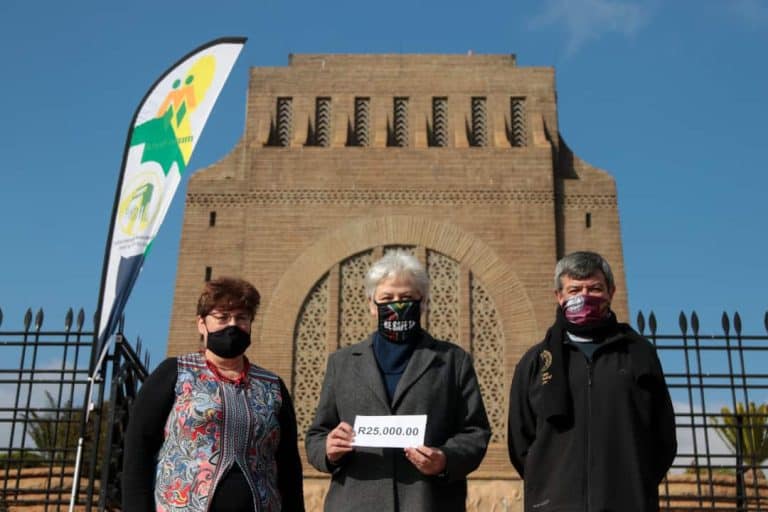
(585, 309)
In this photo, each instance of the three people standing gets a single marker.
(590, 427)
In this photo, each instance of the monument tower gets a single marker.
(457, 158)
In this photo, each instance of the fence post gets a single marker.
(107, 479)
(740, 489)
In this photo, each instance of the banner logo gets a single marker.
(168, 138)
(140, 203)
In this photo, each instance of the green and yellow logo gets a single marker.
(140, 203)
(168, 138)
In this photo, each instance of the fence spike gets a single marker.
(694, 322)
(68, 320)
(652, 322)
(39, 319)
(682, 321)
(765, 321)
(1, 316)
(80, 319)
(737, 323)
(640, 322)
(27, 319)
(725, 323)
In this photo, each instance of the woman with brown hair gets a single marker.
(210, 431)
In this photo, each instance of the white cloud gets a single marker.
(586, 20)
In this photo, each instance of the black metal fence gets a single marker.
(43, 381)
(719, 386)
(718, 382)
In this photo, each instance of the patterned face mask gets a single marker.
(585, 309)
(399, 321)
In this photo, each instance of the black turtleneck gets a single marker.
(392, 359)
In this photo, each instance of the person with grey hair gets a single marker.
(591, 424)
(399, 370)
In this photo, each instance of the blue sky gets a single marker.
(669, 97)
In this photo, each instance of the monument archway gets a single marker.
(476, 301)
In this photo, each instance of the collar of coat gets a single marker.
(367, 371)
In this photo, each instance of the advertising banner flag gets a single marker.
(164, 132)
(162, 135)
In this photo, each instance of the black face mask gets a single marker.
(229, 342)
(399, 321)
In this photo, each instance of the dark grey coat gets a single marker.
(439, 381)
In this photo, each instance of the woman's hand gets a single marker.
(339, 442)
(429, 461)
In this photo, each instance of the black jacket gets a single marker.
(613, 448)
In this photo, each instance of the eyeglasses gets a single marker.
(224, 318)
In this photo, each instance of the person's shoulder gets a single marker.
(163, 374)
(169, 364)
(533, 351)
(350, 350)
(531, 359)
(443, 345)
(191, 359)
(447, 350)
(258, 372)
(635, 338)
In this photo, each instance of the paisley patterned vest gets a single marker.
(212, 426)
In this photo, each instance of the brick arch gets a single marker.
(514, 307)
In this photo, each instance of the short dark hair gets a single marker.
(581, 265)
(228, 293)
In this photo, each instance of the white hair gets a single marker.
(397, 263)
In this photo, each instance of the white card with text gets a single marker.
(404, 431)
